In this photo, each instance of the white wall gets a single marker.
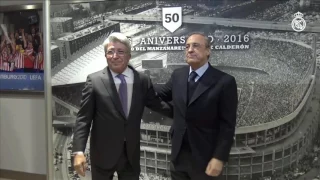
(22, 133)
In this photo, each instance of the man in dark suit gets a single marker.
(205, 105)
(112, 102)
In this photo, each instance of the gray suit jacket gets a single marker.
(101, 107)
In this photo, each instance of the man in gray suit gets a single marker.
(113, 101)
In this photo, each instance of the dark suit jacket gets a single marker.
(209, 118)
(101, 107)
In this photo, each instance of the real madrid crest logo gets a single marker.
(298, 23)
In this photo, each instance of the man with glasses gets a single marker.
(113, 101)
(205, 106)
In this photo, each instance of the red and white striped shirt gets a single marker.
(11, 62)
(28, 62)
(4, 54)
(19, 60)
(38, 64)
(5, 66)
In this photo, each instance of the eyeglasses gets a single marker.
(120, 53)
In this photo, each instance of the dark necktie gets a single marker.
(123, 93)
(192, 78)
(191, 85)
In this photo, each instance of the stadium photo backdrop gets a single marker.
(21, 51)
(272, 48)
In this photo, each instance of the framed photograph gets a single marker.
(21, 51)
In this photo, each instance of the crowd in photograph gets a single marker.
(275, 12)
(151, 176)
(274, 86)
(307, 163)
(85, 22)
(22, 51)
(70, 94)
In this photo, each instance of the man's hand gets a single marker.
(80, 164)
(214, 167)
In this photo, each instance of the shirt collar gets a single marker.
(200, 71)
(126, 73)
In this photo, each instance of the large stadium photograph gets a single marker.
(272, 48)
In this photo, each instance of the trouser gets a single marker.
(185, 167)
(123, 169)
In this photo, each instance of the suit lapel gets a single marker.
(206, 81)
(136, 91)
(109, 84)
(183, 84)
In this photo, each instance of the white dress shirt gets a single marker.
(129, 77)
(200, 71)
